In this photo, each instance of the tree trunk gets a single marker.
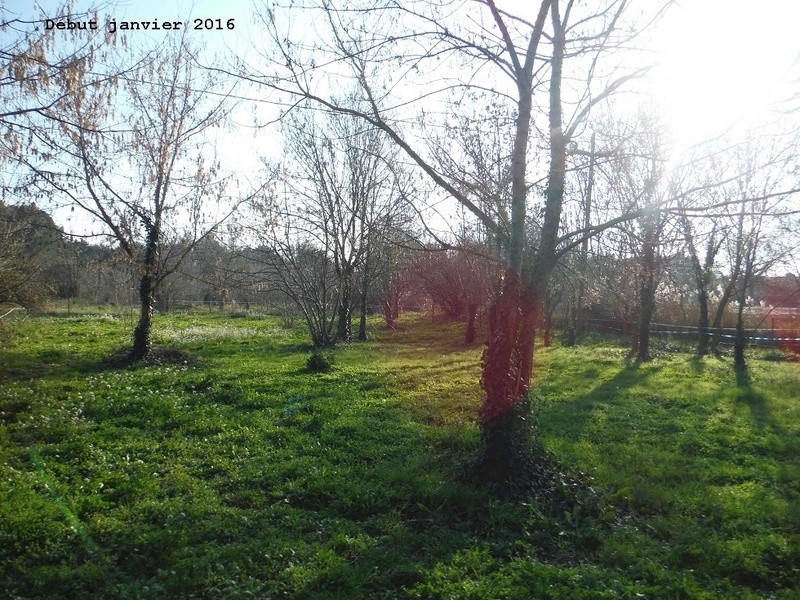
(362, 319)
(578, 328)
(702, 279)
(547, 323)
(727, 294)
(142, 334)
(647, 290)
(391, 305)
(389, 315)
(344, 329)
(739, 342)
(646, 310)
(571, 333)
(702, 325)
(142, 341)
(507, 368)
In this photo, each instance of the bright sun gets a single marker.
(723, 62)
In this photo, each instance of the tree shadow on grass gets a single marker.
(331, 500)
(18, 366)
(698, 363)
(743, 378)
(779, 445)
(368, 509)
(668, 447)
(24, 366)
(416, 512)
(57, 363)
(573, 416)
(756, 402)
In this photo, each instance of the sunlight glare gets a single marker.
(723, 62)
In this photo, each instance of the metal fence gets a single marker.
(768, 337)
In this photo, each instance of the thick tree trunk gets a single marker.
(647, 289)
(507, 369)
(645, 317)
(142, 341)
(727, 294)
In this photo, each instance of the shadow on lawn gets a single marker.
(574, 415)
(359, 510)
(23, 366)
(698, 363)
(779, 445)
(757, 403)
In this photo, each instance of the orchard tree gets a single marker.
(458, 282)
(441, 50)
(740, 203)
(641, 186)
(392, 277)
(390, 235)
(342, 192)
(758, 239)
(704, 237)
(135, 154)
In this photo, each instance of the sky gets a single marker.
(718, 62)
(722, 62)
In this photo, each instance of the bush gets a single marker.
(319, 362)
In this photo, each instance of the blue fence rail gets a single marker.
(759, 337)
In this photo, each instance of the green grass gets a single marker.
(244, 474)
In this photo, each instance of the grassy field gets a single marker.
(241, 474)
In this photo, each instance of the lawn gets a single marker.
(242, 474)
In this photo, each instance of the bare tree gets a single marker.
(641, 183)
(41, 68)
(343, 192)
(706, 233)
(412, 37)
(458, 282)
(135, 155)
(302, 272)
(758, 239)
